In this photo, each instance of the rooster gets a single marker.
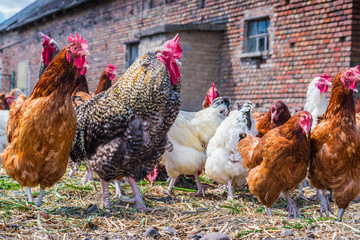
(211, 94)
(278, 161)
(122, 132)
(105, 79)
(224, 163)
(190, 135)
(49, 51)
(277, 115)
(335, 162)
(41, 129)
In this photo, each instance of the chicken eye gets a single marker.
(75, 48)
(349, 74)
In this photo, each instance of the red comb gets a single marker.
(356, 69)
(173, 46)
(325, 76)
(46, 39)
(111, 66)
(80, 40)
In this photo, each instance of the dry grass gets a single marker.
(64, 214)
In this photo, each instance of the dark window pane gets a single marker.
(252, 45)
(252, 28)
(134, 49)
(262, 26)
(261, 44)
(267, 25)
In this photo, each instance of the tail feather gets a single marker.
(246, 148)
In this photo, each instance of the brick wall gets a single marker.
(306, 38)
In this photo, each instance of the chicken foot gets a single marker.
(292, 208)
(324, 204)
(119, 193)
(171, 185)
(231, 194)
(140, 204)
(28, 193)
(199, 185)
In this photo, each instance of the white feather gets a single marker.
(190, 135)
(223, 159)
(316, 102)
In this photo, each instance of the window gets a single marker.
(132, 53)
(258, 35)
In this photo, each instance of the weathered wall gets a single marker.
(307, 38)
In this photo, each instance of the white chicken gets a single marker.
(190, 135)
(316, 102)
(224, 163)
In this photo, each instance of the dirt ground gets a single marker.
(73, 211)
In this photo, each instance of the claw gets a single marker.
(293, 210)
(324, 204)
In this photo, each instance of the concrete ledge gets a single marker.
(166, 28)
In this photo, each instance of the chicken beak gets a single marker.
(355, 90)
(178, 62)
(328, 83)
(85, 53)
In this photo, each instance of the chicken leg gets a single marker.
(28, 193)
(105, 194)
(231, 194)
(324, 205)
(39, 202)
(140, 205)
(88, 175)
(171, 185)
(199, 185)
(268, 211)
(293, 210)
(340, 214)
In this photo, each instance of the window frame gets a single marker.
(258, 36)
(128, 50)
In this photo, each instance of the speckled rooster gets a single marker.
(122, 132)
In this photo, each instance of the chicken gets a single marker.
(316, 102)
(79, 98)
(81, 85)
(40, 131)
(335, 162)
(277, 115)
(190, 135)
(105, 79)
(49, 51)
(224, 163)
(211, 94)
(122, 132)
(278, 161)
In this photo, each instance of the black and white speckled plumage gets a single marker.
(123, 131)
